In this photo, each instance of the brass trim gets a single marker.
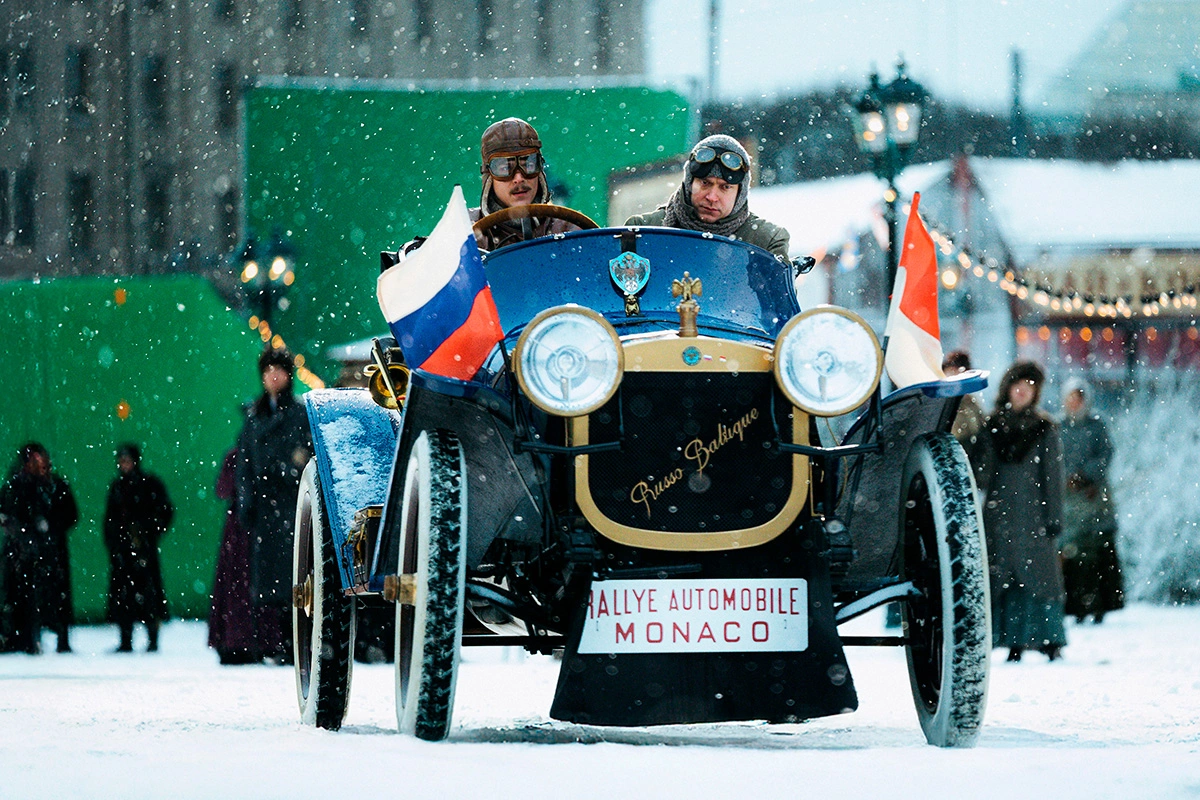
(666, 355)
(400, 589)
(826, 309)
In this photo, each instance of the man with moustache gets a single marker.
(514, 174)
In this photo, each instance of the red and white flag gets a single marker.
(913, 334)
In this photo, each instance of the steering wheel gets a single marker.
(540, 210)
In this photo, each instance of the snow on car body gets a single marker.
(635, 476)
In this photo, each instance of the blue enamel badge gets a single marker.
(691, 356)
(630, 272)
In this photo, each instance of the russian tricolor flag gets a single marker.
(438, 303)
(913, 332)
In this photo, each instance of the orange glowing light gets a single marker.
(120, 296)
(122, 410)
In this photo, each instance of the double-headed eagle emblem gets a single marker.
(687, 289)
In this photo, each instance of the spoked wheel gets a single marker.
(432, 575)
(322, 617)
(949, 624)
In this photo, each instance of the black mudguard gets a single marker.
(675, 688)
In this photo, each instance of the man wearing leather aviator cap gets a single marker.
(514, 174)
(714, 198)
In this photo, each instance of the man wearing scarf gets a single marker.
(714, 198)
(514, 174)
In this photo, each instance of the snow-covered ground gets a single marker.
(1118, 718)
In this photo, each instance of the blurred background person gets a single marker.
(274, 447)
(1018, 466)
(136, 515)
(1091, 568)
(969, 419)
(37, 508)
(240, 631)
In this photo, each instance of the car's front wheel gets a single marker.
(322, 616)
(431, 568)
(948, 625)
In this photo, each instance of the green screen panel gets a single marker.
(163, 363)
(346, 173)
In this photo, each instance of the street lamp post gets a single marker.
(887, 124)
(267, 273)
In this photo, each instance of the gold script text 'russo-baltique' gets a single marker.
(698, 451)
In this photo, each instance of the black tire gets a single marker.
(323, 623)
(949, 625)
(433, 550)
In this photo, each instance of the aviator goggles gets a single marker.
(731, 164)
(504, 168)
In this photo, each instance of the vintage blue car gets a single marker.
(641, 478)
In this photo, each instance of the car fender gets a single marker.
(354, 443)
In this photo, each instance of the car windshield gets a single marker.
(744, 287)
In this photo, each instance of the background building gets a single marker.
(120, 120)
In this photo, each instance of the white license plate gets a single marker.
(696, 616)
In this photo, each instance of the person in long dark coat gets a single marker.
(136, 515)
(1091, 568)
(273, 449)
(37, 508)
(1018, 466)
(240, 631)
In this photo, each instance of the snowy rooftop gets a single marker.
(1036, 204)
(1041, 204)
(822, 214)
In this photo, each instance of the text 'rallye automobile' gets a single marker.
(634, 475)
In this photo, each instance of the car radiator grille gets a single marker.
(698, 453)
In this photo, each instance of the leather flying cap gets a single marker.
(510, 135)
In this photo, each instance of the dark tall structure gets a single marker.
(120, 120)
(1020, 147)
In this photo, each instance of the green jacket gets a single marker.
(755, 230)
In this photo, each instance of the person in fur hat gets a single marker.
(514, 174)
(1018, 466)
(714, 197)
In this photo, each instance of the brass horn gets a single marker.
(387, 377)
(388, 391)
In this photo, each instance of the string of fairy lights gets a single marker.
(303, 373)
(963, 261)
